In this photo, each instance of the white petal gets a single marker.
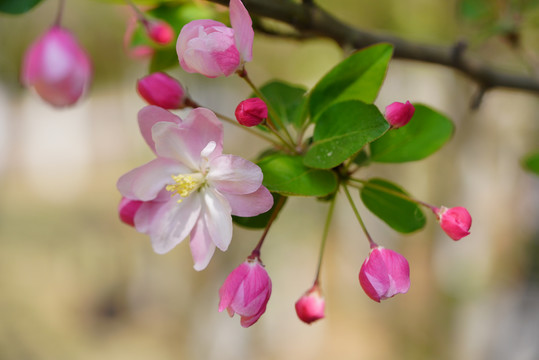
(174, 222)
(217, 216)
(149, 116)
(251, 204)
(235, 175)
(202, 246)
(146, 181)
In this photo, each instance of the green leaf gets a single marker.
(531, 162)
(16, 7)
(477, 9)
(287, 100)
(425, 134)
(163, 59)
(358, 77)
(287, 175)
(402, 215)
(259, 221)
(342, 130)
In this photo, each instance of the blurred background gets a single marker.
(76, 283)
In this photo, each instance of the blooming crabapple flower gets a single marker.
(159, 31)
(399, 114)
(57, 67)
(251, 112)
(246, 291)
(191, 188)
(212, 49)
(455, 221)
(310, 307)
(162, 90)
(127, 210)
(384, 274)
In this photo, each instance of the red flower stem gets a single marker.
(394, 193)
(359, 219)
(140, 15)
(255, 254)
(324, 239)
(59, 14)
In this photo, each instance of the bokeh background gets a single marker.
(77, 284)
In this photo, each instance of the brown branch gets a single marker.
(310, 20)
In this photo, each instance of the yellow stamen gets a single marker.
(184, 186)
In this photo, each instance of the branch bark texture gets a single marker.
(310, 20)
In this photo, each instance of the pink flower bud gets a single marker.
(399, 114)
(127, 210)
(310, 307)
(384, 274)
(212, 49)
(160, 32)
(162, 90)
(455, 221)
(251, 112)
(57, 67)
(246, 291)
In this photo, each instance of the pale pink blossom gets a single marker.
(246, 291)
(251, 112)
(310, 307)
(191, 188)
(162, 90)
(455, 221)
(57, 67)
(212, 49)
(399, 114)
(384, 274)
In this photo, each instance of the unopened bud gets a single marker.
(127, 210)
(162, 90)
(310, 307)
(160, 32)
(399, 114)
(251, 112)
(455, 221)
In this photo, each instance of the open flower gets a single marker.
(212, 49)
(191, 188)
(246, 291)
(384, 274)
(57, 67)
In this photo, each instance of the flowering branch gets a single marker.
(312, 21)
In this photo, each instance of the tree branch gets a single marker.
(310, 20)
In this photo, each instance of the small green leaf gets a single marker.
(259, 221)
(531, 162)
(287, 175)
(358, 77)
(402, 215)
(163, 59)
(16, 7)
(425, 134)
(287, 100)
(342, 130)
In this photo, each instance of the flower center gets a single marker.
(185, 185)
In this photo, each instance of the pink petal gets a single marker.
(218, 219)
(398, 271)
(149, 116)
(171, 222)
(185, 144)
(202, 246)
(235, 175)
(146, 181)
(207, 127)
(251, 204)
(243, 29)
(373, 276)
(228, 291)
